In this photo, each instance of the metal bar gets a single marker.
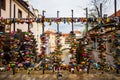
(57, 23)
(10, 12)
(0, 6)
(43, 21)
(10, 8)
(28, 18)
(115, 5)
(115, 8)
(101, 10)
(72, 21)
(14, 16)
(87, 21)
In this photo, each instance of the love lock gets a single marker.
(59, 75)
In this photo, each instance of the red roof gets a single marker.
(49, 32)
(65, 34)
(77, 32)
(118, 14)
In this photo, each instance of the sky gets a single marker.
(64, 7)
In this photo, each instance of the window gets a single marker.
(3, 4)
(19, 13)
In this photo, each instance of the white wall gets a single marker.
(52, 42)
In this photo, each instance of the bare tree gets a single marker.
(95, 7)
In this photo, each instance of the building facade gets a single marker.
(17, 9)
